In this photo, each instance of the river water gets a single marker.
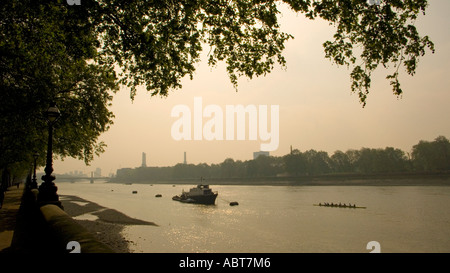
(279, 219)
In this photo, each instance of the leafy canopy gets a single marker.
(79, 55)
(46, 53)
(156, 43)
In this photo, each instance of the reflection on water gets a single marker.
(280, 218)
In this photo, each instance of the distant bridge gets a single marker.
(79, 178)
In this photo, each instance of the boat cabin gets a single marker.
(200, 190)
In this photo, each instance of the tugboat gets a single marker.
(201, 194)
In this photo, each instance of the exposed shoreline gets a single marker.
(104, 223)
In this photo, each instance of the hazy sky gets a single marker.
(316, 108)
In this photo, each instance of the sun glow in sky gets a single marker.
(316, 107)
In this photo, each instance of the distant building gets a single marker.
(98, 172)
(123, 172)
(79, 173)
(256, 154)
(144, 160)
(184, 162)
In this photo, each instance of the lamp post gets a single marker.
(34, 181)
(47, 190)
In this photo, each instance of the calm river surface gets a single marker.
(279, 218)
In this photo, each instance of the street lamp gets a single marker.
(47, 190)
(34, 181)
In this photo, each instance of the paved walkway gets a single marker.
(8, 215)
(23, 230)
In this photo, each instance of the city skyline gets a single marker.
(316, 108)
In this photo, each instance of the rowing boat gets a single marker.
(341, 206)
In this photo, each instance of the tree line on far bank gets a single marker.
(426, 156)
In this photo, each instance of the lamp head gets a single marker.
(52, 114)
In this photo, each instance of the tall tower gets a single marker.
(185, 162)
(144, 160)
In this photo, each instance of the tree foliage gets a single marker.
(432, 156)
(156, 43)
(79, 55)
(384, 35)
(426, 157)
(46, 53)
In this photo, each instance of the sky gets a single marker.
(316, 107)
